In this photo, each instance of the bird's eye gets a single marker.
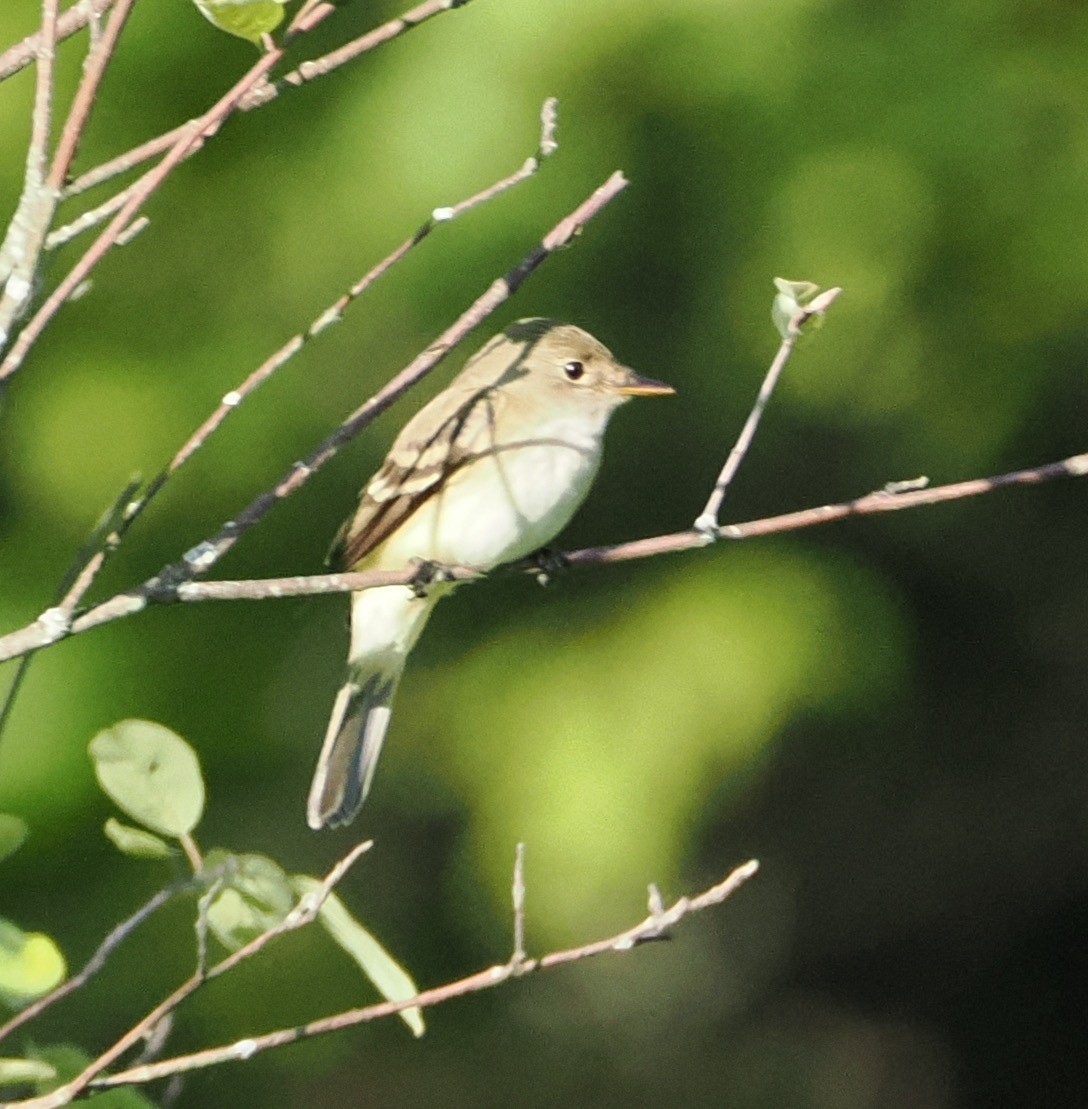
(573, 370)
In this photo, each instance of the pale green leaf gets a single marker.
(12, 833)
(392, 981)
(255, 897)
(19, 1072)
(137, 842)
(248, 19)
(30, 965)
(151, 773)
(791, 297)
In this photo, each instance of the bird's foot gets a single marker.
(548, 563)
(427, 573)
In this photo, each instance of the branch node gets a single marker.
(134, 228)
(548, 563)
(709, 528)
(163, 588)
(654, 901)
(427, 573)
(910, 485)
(326, 319)
(56, 621)
(244, 1049)
(202, 555)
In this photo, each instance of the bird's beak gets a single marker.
(638, 386)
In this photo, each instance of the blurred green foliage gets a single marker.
(889, 713)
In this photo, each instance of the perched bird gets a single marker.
(487, 472)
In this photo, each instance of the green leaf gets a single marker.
(151, 773)
(12, 833)
(66, 1061)
(21, 1072)
(136, 842)
(256, 896)
(391, 979)
(248, 19)
(791, 298)
(30, 965)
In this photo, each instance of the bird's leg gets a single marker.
(548, 563)
(427, 573)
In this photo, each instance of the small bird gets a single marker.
(488, 472)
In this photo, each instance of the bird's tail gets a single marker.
(353, 741)
(385, 624)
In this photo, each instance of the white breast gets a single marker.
(504, 505)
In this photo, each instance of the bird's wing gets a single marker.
(457, 426)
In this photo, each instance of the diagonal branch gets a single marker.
(655, 926)
(304, 913)
(98, 960)
(328, 316)
(265, 91)
(21, 249)
(707, 520)
(94, 70)
(50, 627)
(77, 17)
(108, 238)
(202, 557)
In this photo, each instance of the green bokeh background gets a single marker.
(889, 713)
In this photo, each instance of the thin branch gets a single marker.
(98, 960)
(93, 217)
(304, 913)
(653, 927)
(94, 69)
(328, 316)
(73, 585)
(334, 312)
(22, 246)
(517, 897)
(51, 626)
(265, 91)
(707, 520)
(202, 557)
(42, 116)
(19, 56)
(106, 240)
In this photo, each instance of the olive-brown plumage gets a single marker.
(487, 472)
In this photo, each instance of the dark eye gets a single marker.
(573, 370)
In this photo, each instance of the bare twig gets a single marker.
(653, 927)
(51, 626)
(98, 960)
(202, 557)
(707, 520)
(304, 913)
(93, 70)
(22, 245)
(265, 91)
(42, 116)
(77, 17)
(332, 314)
(93, 217)
(517, 897)
(107, 239)
(73, 585)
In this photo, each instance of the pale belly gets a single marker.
(497, 509)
